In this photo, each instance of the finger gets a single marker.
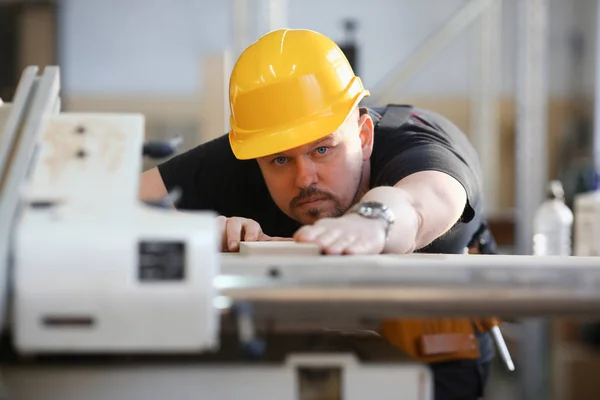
(308, 233)
(355, 247)
(252, 230)
(328, 237)
(341, 244)
(267, 238)
(362, 246)
(234, 232)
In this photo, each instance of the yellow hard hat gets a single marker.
(287, 89)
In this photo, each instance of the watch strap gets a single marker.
(375, 210)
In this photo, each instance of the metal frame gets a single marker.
(35, 97)
(596, 141)
(531, 163)
(240, 26)
(485, 111)
(296, 288)
(252, 19)
(461, 19)
(531, 168)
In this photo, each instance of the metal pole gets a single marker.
(484, 105)
(533, 366)
(277, 14)
(240, 26)
(384, 91)
(531, 134)
(531, 149)
(596, 154)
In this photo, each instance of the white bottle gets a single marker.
(552, 224)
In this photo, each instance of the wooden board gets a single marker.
(279, 248)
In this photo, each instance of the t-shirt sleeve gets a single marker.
(423, 145)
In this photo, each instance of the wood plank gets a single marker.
(279, 248)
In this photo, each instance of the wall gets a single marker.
(154, 46)
(149, 47)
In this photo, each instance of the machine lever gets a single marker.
(168, 201)
(499, 339)
(252, 346)
(161, 148)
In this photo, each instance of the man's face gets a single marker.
(320, 179)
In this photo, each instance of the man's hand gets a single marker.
(349, 234)
(236, 229)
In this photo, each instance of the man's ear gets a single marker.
(367, 133)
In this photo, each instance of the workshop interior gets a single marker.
(93, 92)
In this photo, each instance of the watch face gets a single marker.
(371, 209)
(374, 209)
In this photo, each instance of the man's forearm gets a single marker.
(405, 231)
(151, 186)
(426, 204)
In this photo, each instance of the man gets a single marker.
(303, 161)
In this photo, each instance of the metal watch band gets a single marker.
(375, 210)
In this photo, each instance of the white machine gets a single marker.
(78, 222)
(106, 297)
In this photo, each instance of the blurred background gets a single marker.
(518, 76)
(170, 59)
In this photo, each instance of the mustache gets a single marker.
(310, 193)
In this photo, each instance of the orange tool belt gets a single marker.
(437, 340)
(443, 339)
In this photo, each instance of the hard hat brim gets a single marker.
(274, 141)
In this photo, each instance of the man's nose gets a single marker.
(306, 172)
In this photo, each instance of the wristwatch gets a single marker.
(375, 210)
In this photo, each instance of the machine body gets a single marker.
(93, 269)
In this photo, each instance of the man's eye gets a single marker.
(280, 160)
(322, 150)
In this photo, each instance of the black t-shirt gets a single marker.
(211, 178)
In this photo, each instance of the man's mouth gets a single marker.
(311, 201)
